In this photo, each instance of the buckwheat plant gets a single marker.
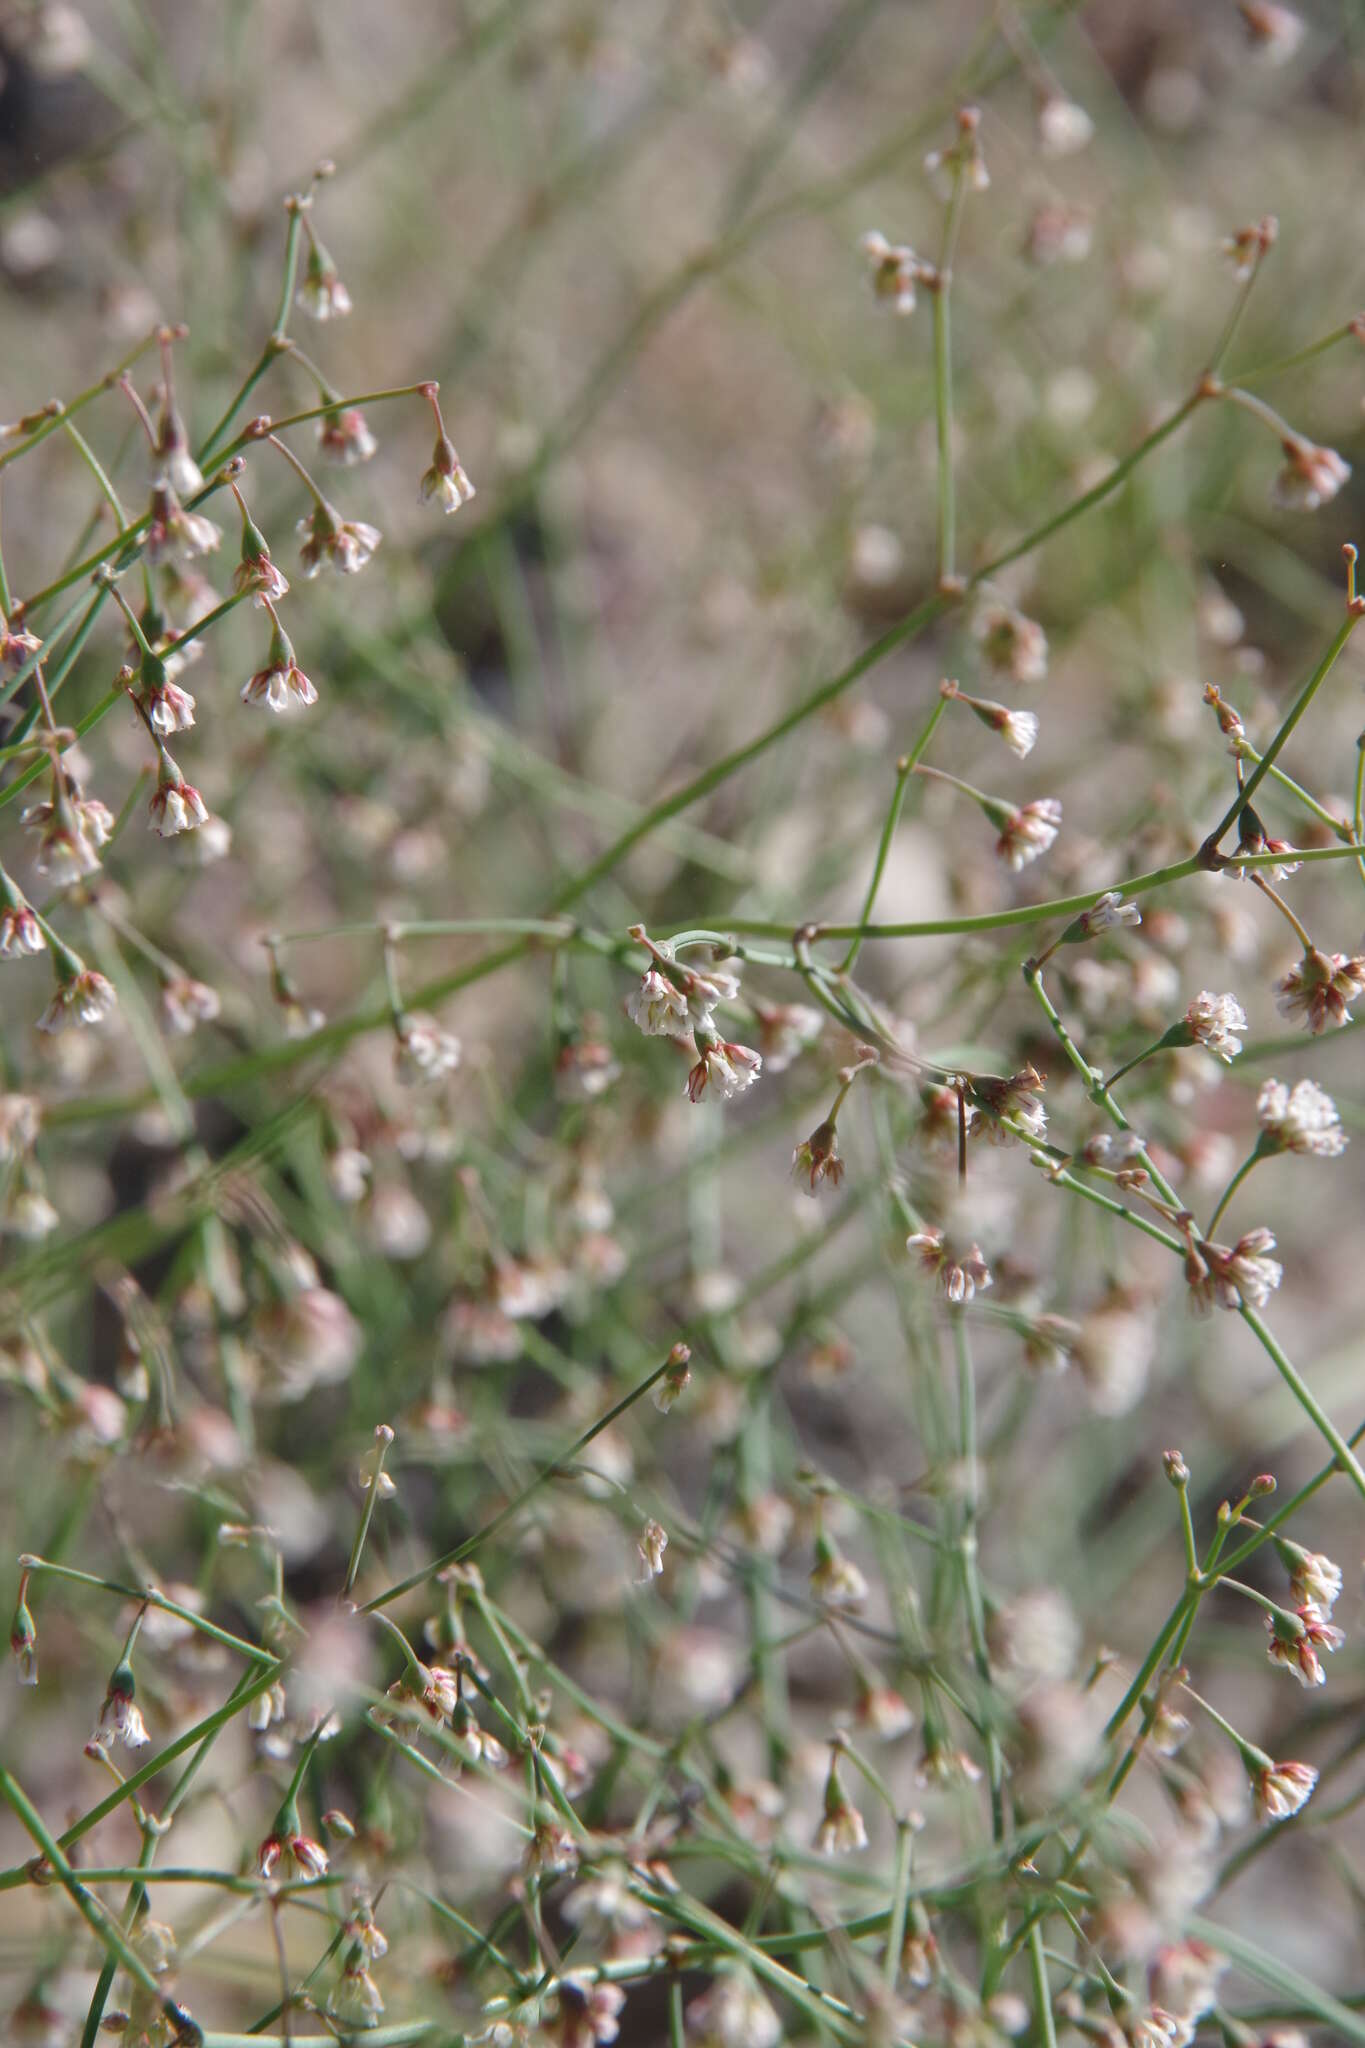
(680, 1258)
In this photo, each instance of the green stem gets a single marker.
(1306, 1399)
(1169, 1629)
(519, 1500)
(79, 403)
(1231, 1189)
(1247, 752)
(1042, 1995)
(152, 1598)
(383, 1438)
(1234, 319)
(967, 1552)
(104, 1928)
(943, 381)
(1148, 1052)
(1287, 725)
(905, 768)
(900, 1904)
(1263, 371)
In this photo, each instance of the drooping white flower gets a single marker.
(1311, 476)
(1283, 1789)
(657, 1008)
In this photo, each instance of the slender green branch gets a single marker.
(905, 768)
(519, 1500)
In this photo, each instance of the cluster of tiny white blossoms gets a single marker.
(677, 1001)
(72, 826)
(1302, 1118)
(1214, 1022)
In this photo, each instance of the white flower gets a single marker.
(19, 1119)
(1243, 1274)
(1029, 832)
(186, 1002)
(784, 1032)
(120, 1717)
(705, 992)
(896, 270)
(28, 1214)
(1013, 645)
(657, 1008)
(1319, 987)
(961, 1274)
(424, 1052)
(344, 436)
(842, 1829)
(1063, 127)
(650, 1545)
(176, 807)
(1314, 1579)
(836, 1581)
(1019, 731)
(20, 933)
(1214, 1021)
(1106, 913)
(445, 481)
(87, 998)
(1273, 32)
(346, 543)
(169, 709)
(321, 292)
(1300, 1119)
(733, 2013)
(1283, 1789)
(730, 1069)
(1311, 476)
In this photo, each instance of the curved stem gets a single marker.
(1231, 1189)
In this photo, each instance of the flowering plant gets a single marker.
(662, 1315)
